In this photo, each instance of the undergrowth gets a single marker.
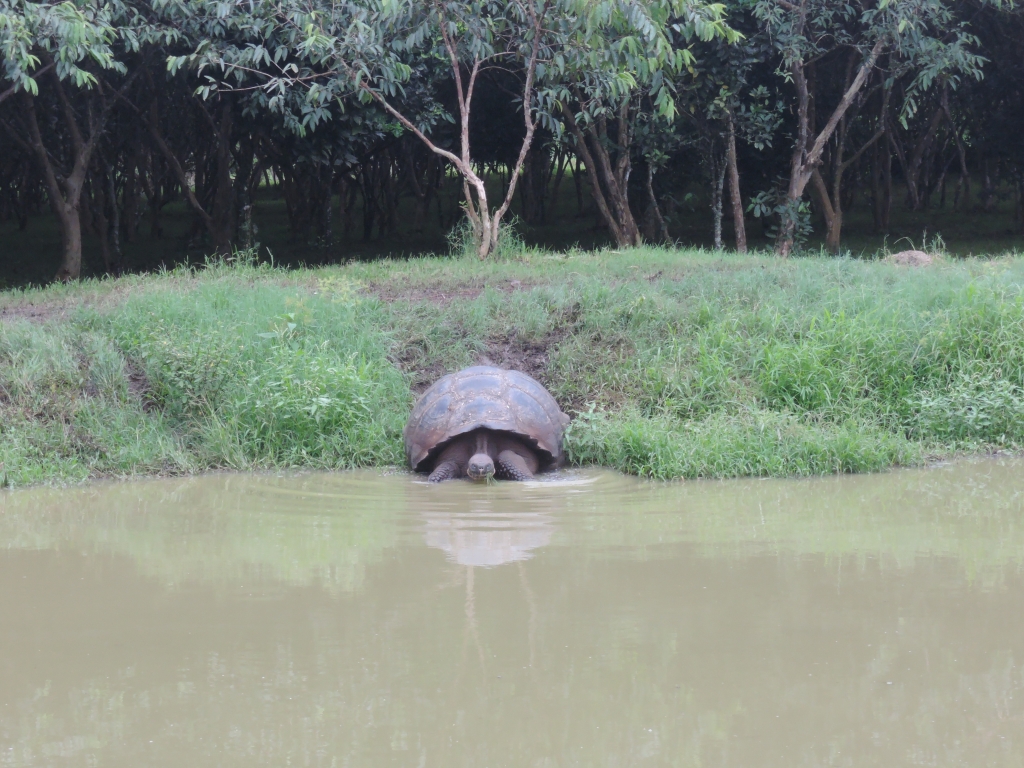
(673, 364)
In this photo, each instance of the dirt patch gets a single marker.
(413, 357)
(36, 313)
(507, 350)
(531, 356)
(104, 297)
(443, 295)
(422, 378)
(514, 352)
(139, 386)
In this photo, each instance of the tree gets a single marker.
(202, 157)
(76, 48)
(727, 100)
(625, 82)
(921, 39)
(993, 108)
(370, 50)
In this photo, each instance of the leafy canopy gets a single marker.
(331, 52)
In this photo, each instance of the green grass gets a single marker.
(673, 363)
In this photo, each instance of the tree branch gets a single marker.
(153, 123)
(14, 88)
(531, 123)
(588, 160)
(407, 123)
(25, 146)
(77, 142)
(36, 139)
(814, 156)
(856, 155)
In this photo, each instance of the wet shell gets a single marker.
(485, 397)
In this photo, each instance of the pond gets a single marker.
(590, 619)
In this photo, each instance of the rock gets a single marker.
(911, 259)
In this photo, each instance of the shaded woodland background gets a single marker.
(160, 166)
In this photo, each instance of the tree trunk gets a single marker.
(423, 183)
(577, 178)
(561, 163)
(988, 193)
(347, 199)
(219, 224)
(964, 184)
(609, 181)
(807, 154)
(21, 200)
(486, 223)
(660, 231)
(534, 184)
(915, 166)
(833, 213)
(738, 223)
(132, 195)
(1020, 202)
(876, 190)
(247, 173)
(223, 218)
(719, 167)
(97, 215)
(65, 194)
(71, 242)
(369, 201)
(325, 223)
(886, 208)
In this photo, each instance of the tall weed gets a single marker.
(267, 376)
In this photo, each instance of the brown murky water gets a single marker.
(589, 620)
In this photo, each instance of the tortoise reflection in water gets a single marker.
(485, 422)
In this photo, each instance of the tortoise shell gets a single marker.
(485, 397)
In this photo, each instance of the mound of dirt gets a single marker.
(911, 259)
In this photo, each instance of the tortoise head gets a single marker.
(480, 467)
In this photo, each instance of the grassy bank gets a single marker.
(673, 363)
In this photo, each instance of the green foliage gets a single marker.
(747, 443)
(928, 41)
(266, 377)
(786, 216)
(981, 408)
(373, 49)
(71, 36)
(66, 412)
(462, 241)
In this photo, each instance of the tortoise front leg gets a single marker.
(446, 470)
(512, 466)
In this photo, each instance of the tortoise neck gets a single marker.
(481, 441)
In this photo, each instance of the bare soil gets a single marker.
(443, 295)
(37, 313)
(515, 352)
(139, 387)
(506, 350)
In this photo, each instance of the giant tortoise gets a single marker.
(485, 421)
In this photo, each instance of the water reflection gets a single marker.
(364, 620)
(486, 541)
(483, 536)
